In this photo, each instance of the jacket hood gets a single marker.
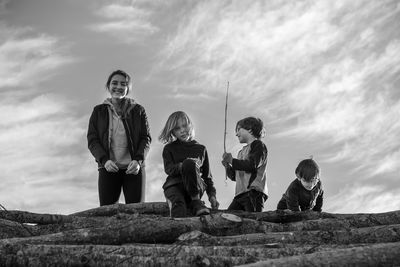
(127, 105)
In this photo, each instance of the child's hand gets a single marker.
(227, 159)
(197, 161)
(214, 203)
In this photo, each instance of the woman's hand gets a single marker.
(111, 166)
(133, 167)
(214, 203)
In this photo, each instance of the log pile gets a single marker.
(143, 234)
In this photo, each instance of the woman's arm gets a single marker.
(94, 143)
(145, 138)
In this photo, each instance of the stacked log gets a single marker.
(143, 234)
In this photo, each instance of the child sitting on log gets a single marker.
(188, 169)
(305, 192)
(249, 168)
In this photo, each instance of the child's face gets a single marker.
(118, 87)
(309, 185)
(181, 131)
(243, 135)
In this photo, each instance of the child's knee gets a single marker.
(188, 165)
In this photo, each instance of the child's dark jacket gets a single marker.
(176, 152)
(297, 198)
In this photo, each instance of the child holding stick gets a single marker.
(249, 168)
(187, 166)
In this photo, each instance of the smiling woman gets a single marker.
(119, 139)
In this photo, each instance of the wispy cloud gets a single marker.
(127, 21)
(40, 135)
(330, 67)
(3, 6)
(43, 147)
(27, 57)
(363, 198)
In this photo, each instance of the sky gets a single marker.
(324, 76)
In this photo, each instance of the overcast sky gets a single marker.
(324, 76)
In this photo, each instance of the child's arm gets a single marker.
(292, 198)
(170, 167)
(319, 201)
(258, 153)
(226, 162)
(207, 177)
(230, 172)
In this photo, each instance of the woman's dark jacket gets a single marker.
(136, 126)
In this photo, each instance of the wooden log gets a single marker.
(29, 217)
(355, 219)
(146, 254)
(387, 254)
(9, 229)
(376, 234)
(154, 208)
(151, 229)
(156, 229)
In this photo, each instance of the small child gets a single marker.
(186, 164)
(249, 169)
(305, 192)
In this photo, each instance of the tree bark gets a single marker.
(154, 208)
(11, 229)
(149, 255)
(100, 237)
(375, 234)
(152, 229)
(29, 217)
(375, 255)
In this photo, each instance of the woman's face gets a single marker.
(118, 87)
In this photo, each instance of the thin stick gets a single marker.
(226, 115)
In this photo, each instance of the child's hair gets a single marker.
(255, 125)
(166, 135)
(307, 169)
(122, 73)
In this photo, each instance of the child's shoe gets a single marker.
(199, 208)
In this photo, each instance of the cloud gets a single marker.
(42, 139)
(127, 21)
(28, 58)
(43, 146)
(3, 6)
(155, 174)
(322, 71)
(363, 198)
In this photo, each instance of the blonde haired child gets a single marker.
(187, 166)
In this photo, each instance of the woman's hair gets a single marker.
(166, 135)
(122, 73)
(255, 125)
(307, 169)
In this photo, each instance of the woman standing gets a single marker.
(119, 139)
